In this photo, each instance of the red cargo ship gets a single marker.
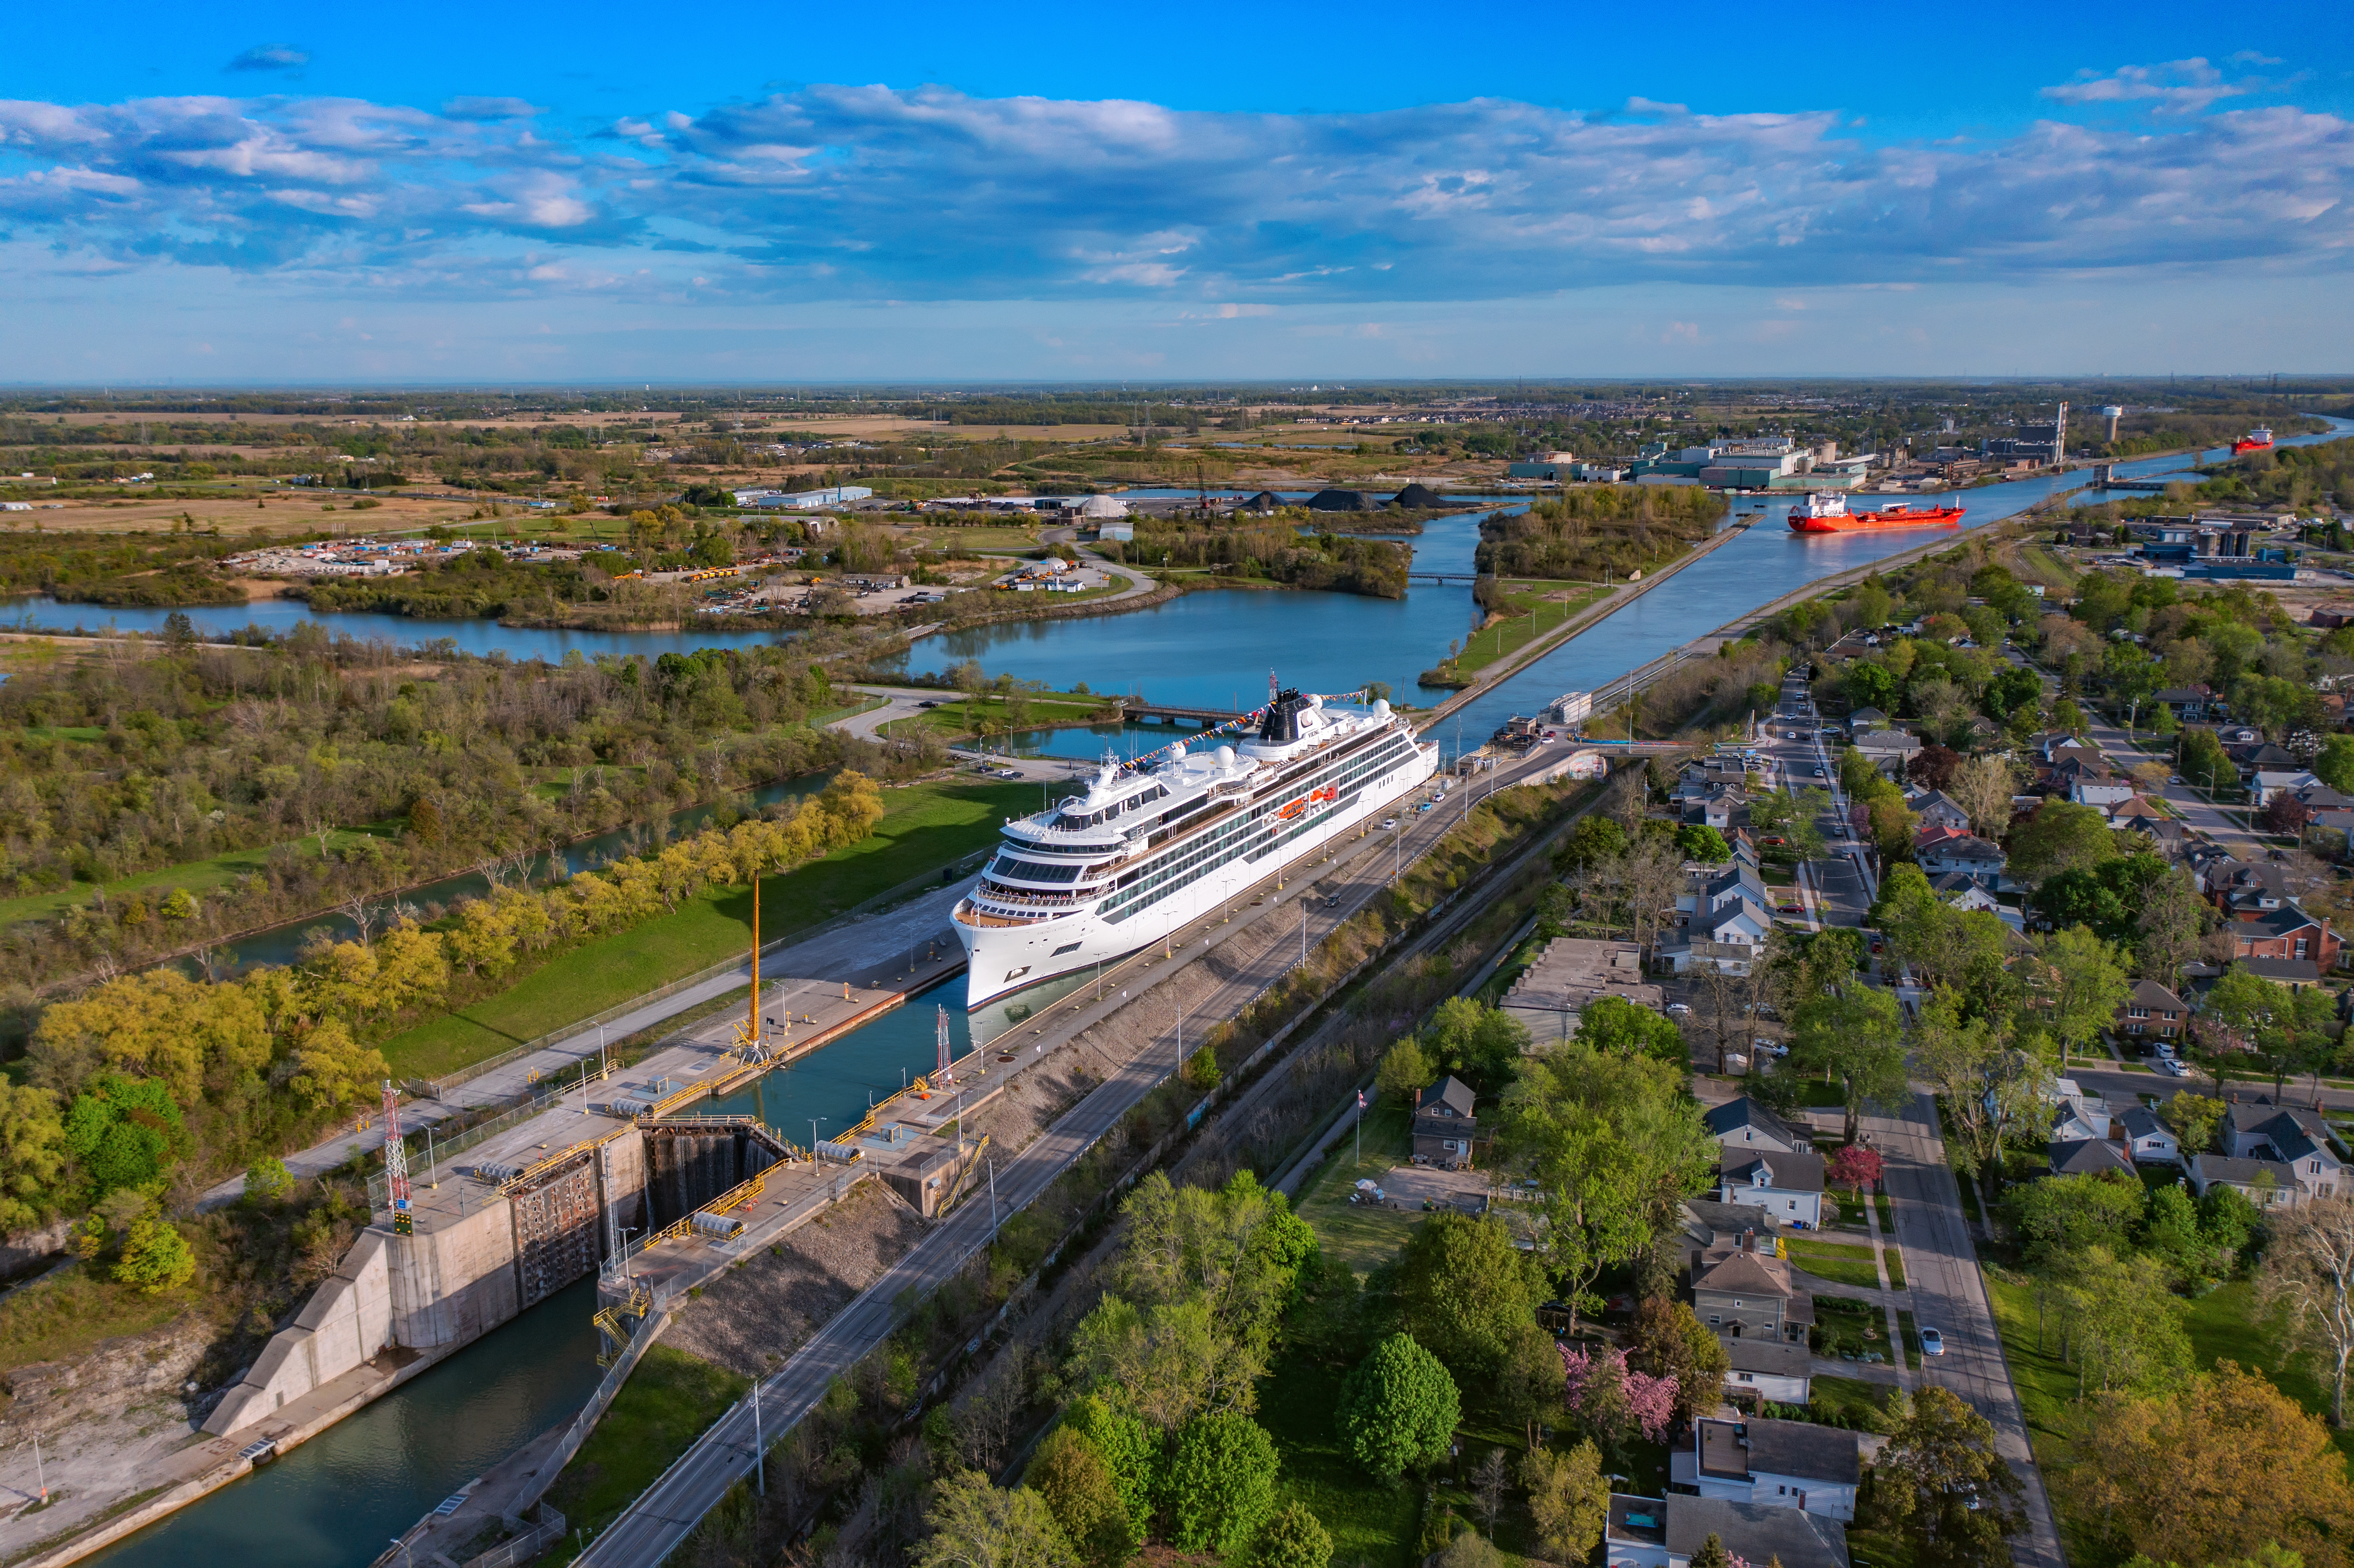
(2259, 440)
(1826, 512)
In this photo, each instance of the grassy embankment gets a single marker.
(664, 1406)
(965, 717)
(1526, 612)
(925, 826)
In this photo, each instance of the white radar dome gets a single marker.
(1226, 757)
(1381, 707)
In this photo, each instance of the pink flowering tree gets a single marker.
(1855, 1167)
(1613, 1401)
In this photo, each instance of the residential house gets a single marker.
(2267, 784)
(1754, 1533)
(1718, 807)
(1941, 850)
(1745, 1292)
(2251, 757)
(1867, 718)
(1444, 1125)
(1793, 1465)
(2262, 1130)
(2267, 1183)
(2148, 1140)
(1776, 1370)
(2152, 1012)
(2187, 704)
(1728, 915)
(1937, 808)
(2088, 1157)
(1790, 1185)
(1964, 892)
(1743, 1123)
(2090, 782)
(2240, 886)
(2078, 1117)
(2300, 949)
(1888, 749)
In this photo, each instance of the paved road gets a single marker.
(664, 1515)
(1941, 1274)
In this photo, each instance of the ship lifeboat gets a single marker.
(1294, 810)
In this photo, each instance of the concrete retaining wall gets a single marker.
(348, 1324)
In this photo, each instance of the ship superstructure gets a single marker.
(1152, 844)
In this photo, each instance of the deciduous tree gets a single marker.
(1398, 1408)
(1569, 1500)
(2308, 1273)
(1219, 1483)
(977, 1525)
(1942, 1481)
(1668, 1341)
(1464, 1289)
(1292, 1537)
(1855, 1035)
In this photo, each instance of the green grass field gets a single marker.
(1360, 1237)
(666, 1403)
(925, 826)
(1529, 611)
(1839, 1264)
(1371, 1522)
(958, 718)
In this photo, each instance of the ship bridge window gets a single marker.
(1035, 871)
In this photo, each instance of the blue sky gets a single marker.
(758, 193)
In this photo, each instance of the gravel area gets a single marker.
(751, 1317)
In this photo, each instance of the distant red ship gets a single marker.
(2259, 440)
(1826, 512)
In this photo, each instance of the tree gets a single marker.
(2061, 1217)
(1615, 1026)
(1983, 787)
(1612, 1401)
(1488, 1483)
(32, 1156)
(1078, 1485)
(1855, 1035)
(2079, 983)
(2335, 765)
(1855, 1167)
(2212, 1471)
(267, 1180)
(1986, 1088)
(1219, 1483)
(1479, 1043)
(2169, 918)
(1569, 1500)
(155, 1258)
(124, 1132)
(1668, 1341)
(1292, 1537)
(1464, 1289)
(2307, 1272)
(1941, 1480)
(1704, 844)
(977, 1525)
(2120, 1323)
(1405, 1072)
(1128, 1450)
(1712, 1554)
(2193, 1118)
(332, 1069)
(1398, 1408)
(2060, 836)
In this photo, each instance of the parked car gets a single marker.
(927, 703)
(1009, 773)
(1388, 822)
(1678, 1007)
(1933, 1343)
(2174, 1068)
(2174, 778)
(1789, 908)
(1765, 1047)
(1820, 774)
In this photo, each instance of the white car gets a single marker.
(1009, 773)
(1679, 1007)
(1933, 1343)
(1764, 1047)
(2173, 1067)
(1388, 822)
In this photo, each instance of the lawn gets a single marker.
(666, 1403)
(1893, 1261)
(1850, 1206)
(958, 718)
(1912, 1333)
(1530, 610)
(1373, 1522)
(925, 826)
(1887, 1214)
(1849, 1328)
(1360, 1237)
(1848, 1402)
(1839, 1264)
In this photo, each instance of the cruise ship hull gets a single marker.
(1008, 958)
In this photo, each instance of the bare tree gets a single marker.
(360, 913)
(1654, 870)
(2308, 1271)
(1488, 1484)
(985, 1420)
(1983, 787)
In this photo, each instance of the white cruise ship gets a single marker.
(1145, 850)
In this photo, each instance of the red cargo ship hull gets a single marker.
(1889, 517)
(2239, 447)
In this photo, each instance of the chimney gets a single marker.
(1749, 1240)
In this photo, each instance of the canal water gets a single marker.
(328, 1503)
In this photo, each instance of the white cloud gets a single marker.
(2177, 87)
(869, 193)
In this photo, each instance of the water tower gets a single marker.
(2112, 413)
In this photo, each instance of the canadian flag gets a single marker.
(1361, 1100)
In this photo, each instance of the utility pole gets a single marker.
(759, 1449)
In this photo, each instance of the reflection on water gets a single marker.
(337, 1500)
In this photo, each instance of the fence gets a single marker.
(524, 1547)
(650, 1328)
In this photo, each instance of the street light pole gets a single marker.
(814, 1121)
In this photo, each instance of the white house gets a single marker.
(1770, 1369)
(1743, 1123)
(2148, 1140)
(1782, 1463)
(1788, 1186)
(1668, 1532)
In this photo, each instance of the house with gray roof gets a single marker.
(1445, 1125)
(2148, 1140)
(1888, 749)
(2089, 1156)
(1666, 1532)
(1743, 1123)
(1776, 1370)
(1791, 1184)
(1793, 1465)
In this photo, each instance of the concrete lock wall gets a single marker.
(558, 1232)
(687, 1169)
(455, 1281)
(346, 1324)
